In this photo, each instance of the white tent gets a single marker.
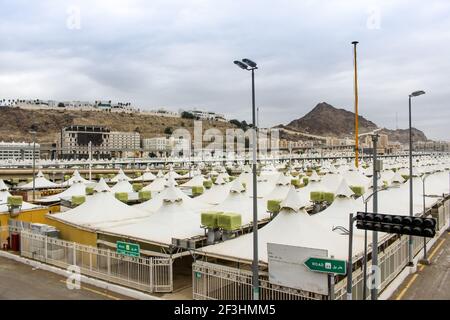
(122, 186)
(120, 177)
(77, 189)
(174, 219)
(76, 177)
(100, 208)
(156, 202)
(147, 176)
(4, 194)
(218, 192)
(194, 182)
(40, 183)
(238, 201)
(157, 185)
(102, 186)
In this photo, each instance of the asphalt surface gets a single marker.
(429, 282)
(20, 281)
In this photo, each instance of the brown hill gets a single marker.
(326, 120)
(15, 123)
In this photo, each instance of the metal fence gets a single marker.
(217, 282)
(152, 274)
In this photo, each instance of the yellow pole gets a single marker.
(356, 107)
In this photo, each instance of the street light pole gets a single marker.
(249, 65)
(374, 290)
(410, 242)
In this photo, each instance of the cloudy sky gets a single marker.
(179, 53)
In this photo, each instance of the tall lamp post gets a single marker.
(33, 132)
(249, 65)
(410, 246)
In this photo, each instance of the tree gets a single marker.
(168, 130)
(187, 115)
(61, 105)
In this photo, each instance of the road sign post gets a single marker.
(128, 249)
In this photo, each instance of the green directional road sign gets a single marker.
(128, 249)
(326, 265)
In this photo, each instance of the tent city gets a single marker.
(210, 150)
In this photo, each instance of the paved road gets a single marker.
(430, 282)
(20, 281)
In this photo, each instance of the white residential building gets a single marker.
(207, 115)
(18, 151)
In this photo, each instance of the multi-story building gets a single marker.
(74, 142)
(18, 151)
(155, 144)
(207, 115)
(124, 144)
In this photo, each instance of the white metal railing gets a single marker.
(217, 282)
(152, 274)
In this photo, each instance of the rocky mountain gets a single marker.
(326, 120)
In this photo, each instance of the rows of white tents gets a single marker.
(172, 213)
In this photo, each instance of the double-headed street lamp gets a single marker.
(249, 65)
(410, 247)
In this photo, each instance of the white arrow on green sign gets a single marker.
(326, 265)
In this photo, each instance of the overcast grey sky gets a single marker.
(178, 54)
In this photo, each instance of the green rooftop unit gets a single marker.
(210, 219)
(229, 221)
(273, 206)
(197, 190)
(358, 190)
(89, 191)
(316, 196)
(207, 184)
(122, 196)
(137, 187)
(14, 201)
(145, 195)
(328, 197)
(78, 200)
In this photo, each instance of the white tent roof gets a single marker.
(40, 183)
(172, 191)
(99, 209)
(120, 176)
(344, 190)
(147, 176)
(195, 181)
(77, 189)
(122, 186)
(174, 219)
(216, 194)
(76, 177)
(4, 198)
(3, 186)
(157, 185)
(101, 186)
